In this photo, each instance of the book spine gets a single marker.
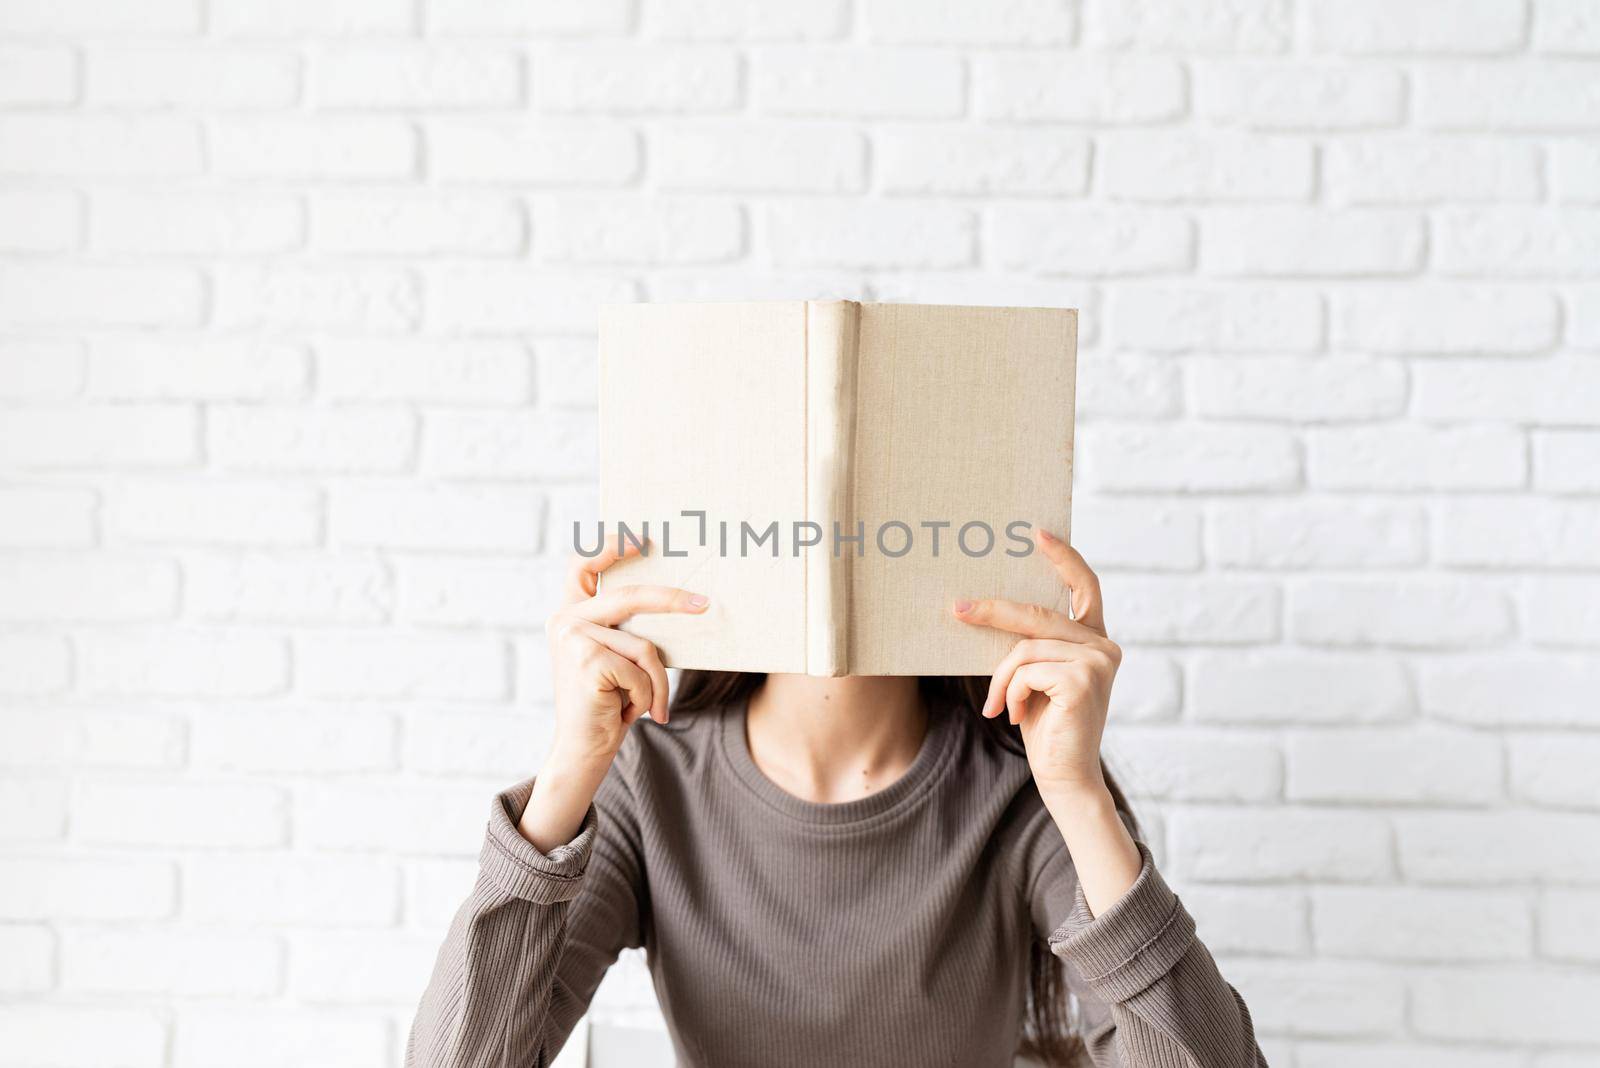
(832, 336)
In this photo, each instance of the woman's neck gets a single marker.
(835, 740)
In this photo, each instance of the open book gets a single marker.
(834, 475)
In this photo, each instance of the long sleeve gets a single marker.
(1151, 992)
(531, 943)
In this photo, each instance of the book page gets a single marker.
(702, 409)
(964, 416)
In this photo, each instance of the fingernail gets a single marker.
(698, 601)
(963, 606)
(1046, 535)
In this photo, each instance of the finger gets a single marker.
(583, 574)
(1028, 680)
(1088, 606)
(613, 606)
(619, 674)
(1025, 651)
(641, 653)
(1028, 620)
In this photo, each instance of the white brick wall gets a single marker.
(296, 356)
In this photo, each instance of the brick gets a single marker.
(632, 230)
(1297, 96)
(1397, 767)
(513, 17)
(1421, 613)
(1518, 1005)
(39, 220)
(41, 517)
(37, 75)
(1089, 241)
(1372, 26)
(74, 888)
(130, 739)
(1447, 319)
(1555, 769)
(405, 77)
(509, 444)
(502, 744)
(292, 18)
(75, 586)
(1017, 22)
(1408, 169)
(33, 808)
(281, 1035)
(1078, 87)
(406, 224)
(205, 79)
(401, 666)
(1497, 847)
(318, 298)
(1315, 534)
(1295, 241)
(40, 368)
(98, 436)
(393, 818)
(214, 510)
(1194, 764)
(544, 153)
(1327, 998)
(328, 968)
(1554, 390)
(175, 663)
(1583, 312)
(196, 368)
(83, 1036)
(1450, 458)
(185, 963)
(291, 890)
(318, 742)
(196, 224)
(1562, 610)
(457, 592)
(767, 156)
(1512, 242)
(1149, 689)
(1518, 532)
(431, 516)
(1220, 166)
(516, 300)
(1171, 609)
(1566, 461)
(1567, 930)
(1569, 26)
(1511, 689)
(567, 372)
(1548, 95)
(1153, 535)
(327, 149)
(810, 80)
(1255, 920)
(1408, 924)
(336, 440)
(104, 146)
(1297, 389)
(1172, 25)
(1187, 458)
(324, 587)
(73, 18)
(62, 294)
(27, 959)
(194, 814)
(1239, 845)
(679, 78)
(980, 161)
(435, 889)
(1575, 171)
(437, 370)
(869, 234)
(33, 664)
(1234, 319)
(1129, 387)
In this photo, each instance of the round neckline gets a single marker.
(935, 751)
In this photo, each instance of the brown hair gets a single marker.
(1049, 1033)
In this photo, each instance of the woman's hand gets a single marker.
(604, 681)
(1056, 681)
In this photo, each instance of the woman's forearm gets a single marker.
(1103, 853)
(562, 794)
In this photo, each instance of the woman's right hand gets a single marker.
(604, 680)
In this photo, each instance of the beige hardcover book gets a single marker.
(834, 475)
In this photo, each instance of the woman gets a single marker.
(852, 871)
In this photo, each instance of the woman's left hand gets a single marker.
(1056, 681)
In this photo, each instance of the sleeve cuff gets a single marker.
(1133, 943)
(516, 866)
